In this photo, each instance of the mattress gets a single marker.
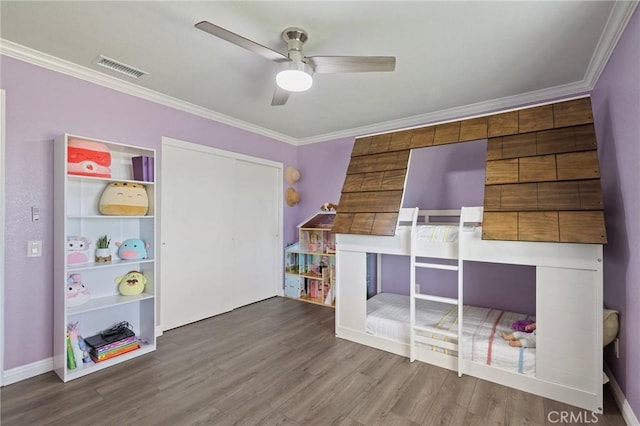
(388, 316)
(437, 233)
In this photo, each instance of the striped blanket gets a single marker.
(388, 316)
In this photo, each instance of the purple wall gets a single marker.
(449, 177)
(323, 167)
(42, 104)
(616, 107)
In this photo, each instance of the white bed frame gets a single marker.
(569, 305)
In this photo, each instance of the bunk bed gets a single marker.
(566, 364)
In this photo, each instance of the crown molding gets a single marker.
(53, 63)
(613, 30)
(616, 23)
(536, 98)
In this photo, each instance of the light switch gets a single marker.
(34, 248)
(35, 214)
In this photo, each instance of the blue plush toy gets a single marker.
(133, 248)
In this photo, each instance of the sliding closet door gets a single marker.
(196, 235)
(220, 222)
(256, 242)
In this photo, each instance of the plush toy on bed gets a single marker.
(131, 283)
(132, 249)
(124, 199)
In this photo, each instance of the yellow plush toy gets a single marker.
(131, 283)
(124, 199)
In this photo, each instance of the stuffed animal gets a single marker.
(124, 199)
(131, 283)
(329, 207)
(133, 248)
(88, 158)
(77, 249)
(77, 293)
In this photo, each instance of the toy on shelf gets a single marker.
(132, 249)
(77, 293)
(124, 199)
(77, 249)
(131, 283)
(88, 158)
(328, 207)
(103, 252)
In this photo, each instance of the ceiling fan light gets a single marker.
(295, 77)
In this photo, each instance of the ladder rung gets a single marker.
(436, 266)
(435, 342)
(440, 299)
(426, 329)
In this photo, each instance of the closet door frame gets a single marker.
(278, 203)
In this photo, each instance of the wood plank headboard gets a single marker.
(542, 177)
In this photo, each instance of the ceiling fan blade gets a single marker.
(280, 96)
(334, 64)
(238, 40)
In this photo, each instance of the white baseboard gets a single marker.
(27, 371)
(627, 413)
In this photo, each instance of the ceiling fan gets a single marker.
(296, 71)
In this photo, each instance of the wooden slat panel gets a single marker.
(473, 129)
(501, 171)
(400, 140)
(494, 148)
(534, 119)
(585, 137)
(385, 224)
(375, 181)
(503, 124)
(366, 202)
(447, 133)
(353, 183)
(342, 223)
(590, 194)
(360, 164)
(555, 141)
(380, 143)
(379, 162)
(558, 196)
(582, 227)
(578, 165)
(515, 146)
(492, 194)
(538, 226)
(500, 226)
(371, 181)
(393, 179)
(361, 146)
(572, 113)
(537, 169)
(362, 223)
(523, 196)
(422, 137)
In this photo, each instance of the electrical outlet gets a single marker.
(34, 248)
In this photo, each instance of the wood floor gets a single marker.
(276, 362)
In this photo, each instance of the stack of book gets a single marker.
(111, 343)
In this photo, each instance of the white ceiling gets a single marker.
(454, 58)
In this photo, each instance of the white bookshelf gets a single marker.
(76, 206)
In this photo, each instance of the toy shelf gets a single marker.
(79, 224)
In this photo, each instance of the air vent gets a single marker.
(114, 65)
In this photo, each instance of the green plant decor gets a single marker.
(103, 242)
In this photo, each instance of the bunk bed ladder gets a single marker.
(438, 337)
